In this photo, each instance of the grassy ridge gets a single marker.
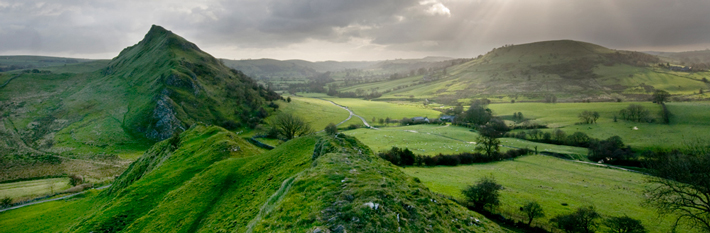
(204, 185)
(350, 188)
(551, 182)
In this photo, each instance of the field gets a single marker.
(369, 109)
(314, 111)
(33, 188)
(433, 139)
(53, 216)
(551, 182)
(688, 121)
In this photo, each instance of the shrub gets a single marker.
(75, 180)
(399, 157)
(5, 202)
(582, 220)
(483, 194)
(624, 224)
(353, 126)
(331, 129)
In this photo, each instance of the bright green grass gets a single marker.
(317, 112)
(551, 181)
(434, 139)
(409, 137)
(689, 121)
(368, 109)
(33, 188)
(53, 216)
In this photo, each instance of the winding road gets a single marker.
(351, 115)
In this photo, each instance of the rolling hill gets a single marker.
(210, 180)
(570, 70)
(102, 109)
(300, 69)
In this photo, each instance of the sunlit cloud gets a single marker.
(349, 30)
(435, 8)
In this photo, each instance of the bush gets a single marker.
(625, 224)
(483, 194)
(532, 210)
(398, 156)
(75, 180)
(611, 149)
(6, 202)
(582, 220)
(353, 126)
(331, 129)
(405, 157)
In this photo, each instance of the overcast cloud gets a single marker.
(350, 29)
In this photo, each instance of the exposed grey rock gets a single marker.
(166, 122)
(340, 229)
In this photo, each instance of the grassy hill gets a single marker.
(9, 63)
(101, 110)
(300, 69)
(210, 180)
(571, 70)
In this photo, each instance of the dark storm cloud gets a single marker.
(394, 27)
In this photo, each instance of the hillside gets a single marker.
(299, 69)
(210, 180)
(150, 91)
(9, 63)
(570, 70)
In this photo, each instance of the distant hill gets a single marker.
(9, 63)
(698, 59)
(569, 70)
(210, 180)
(300, 69)
(149, 92)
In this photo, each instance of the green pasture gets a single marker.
(53, 216)
(688, 121)
(368, 109)
(33, 188)
(551, 182)
(317, 112)
(435, 139)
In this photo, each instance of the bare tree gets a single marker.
(681, 186)
(290, 126)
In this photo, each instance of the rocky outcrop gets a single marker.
(165, 118)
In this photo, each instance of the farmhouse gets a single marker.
(447, 118)
(420, 120)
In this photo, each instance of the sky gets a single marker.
(349, 30)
